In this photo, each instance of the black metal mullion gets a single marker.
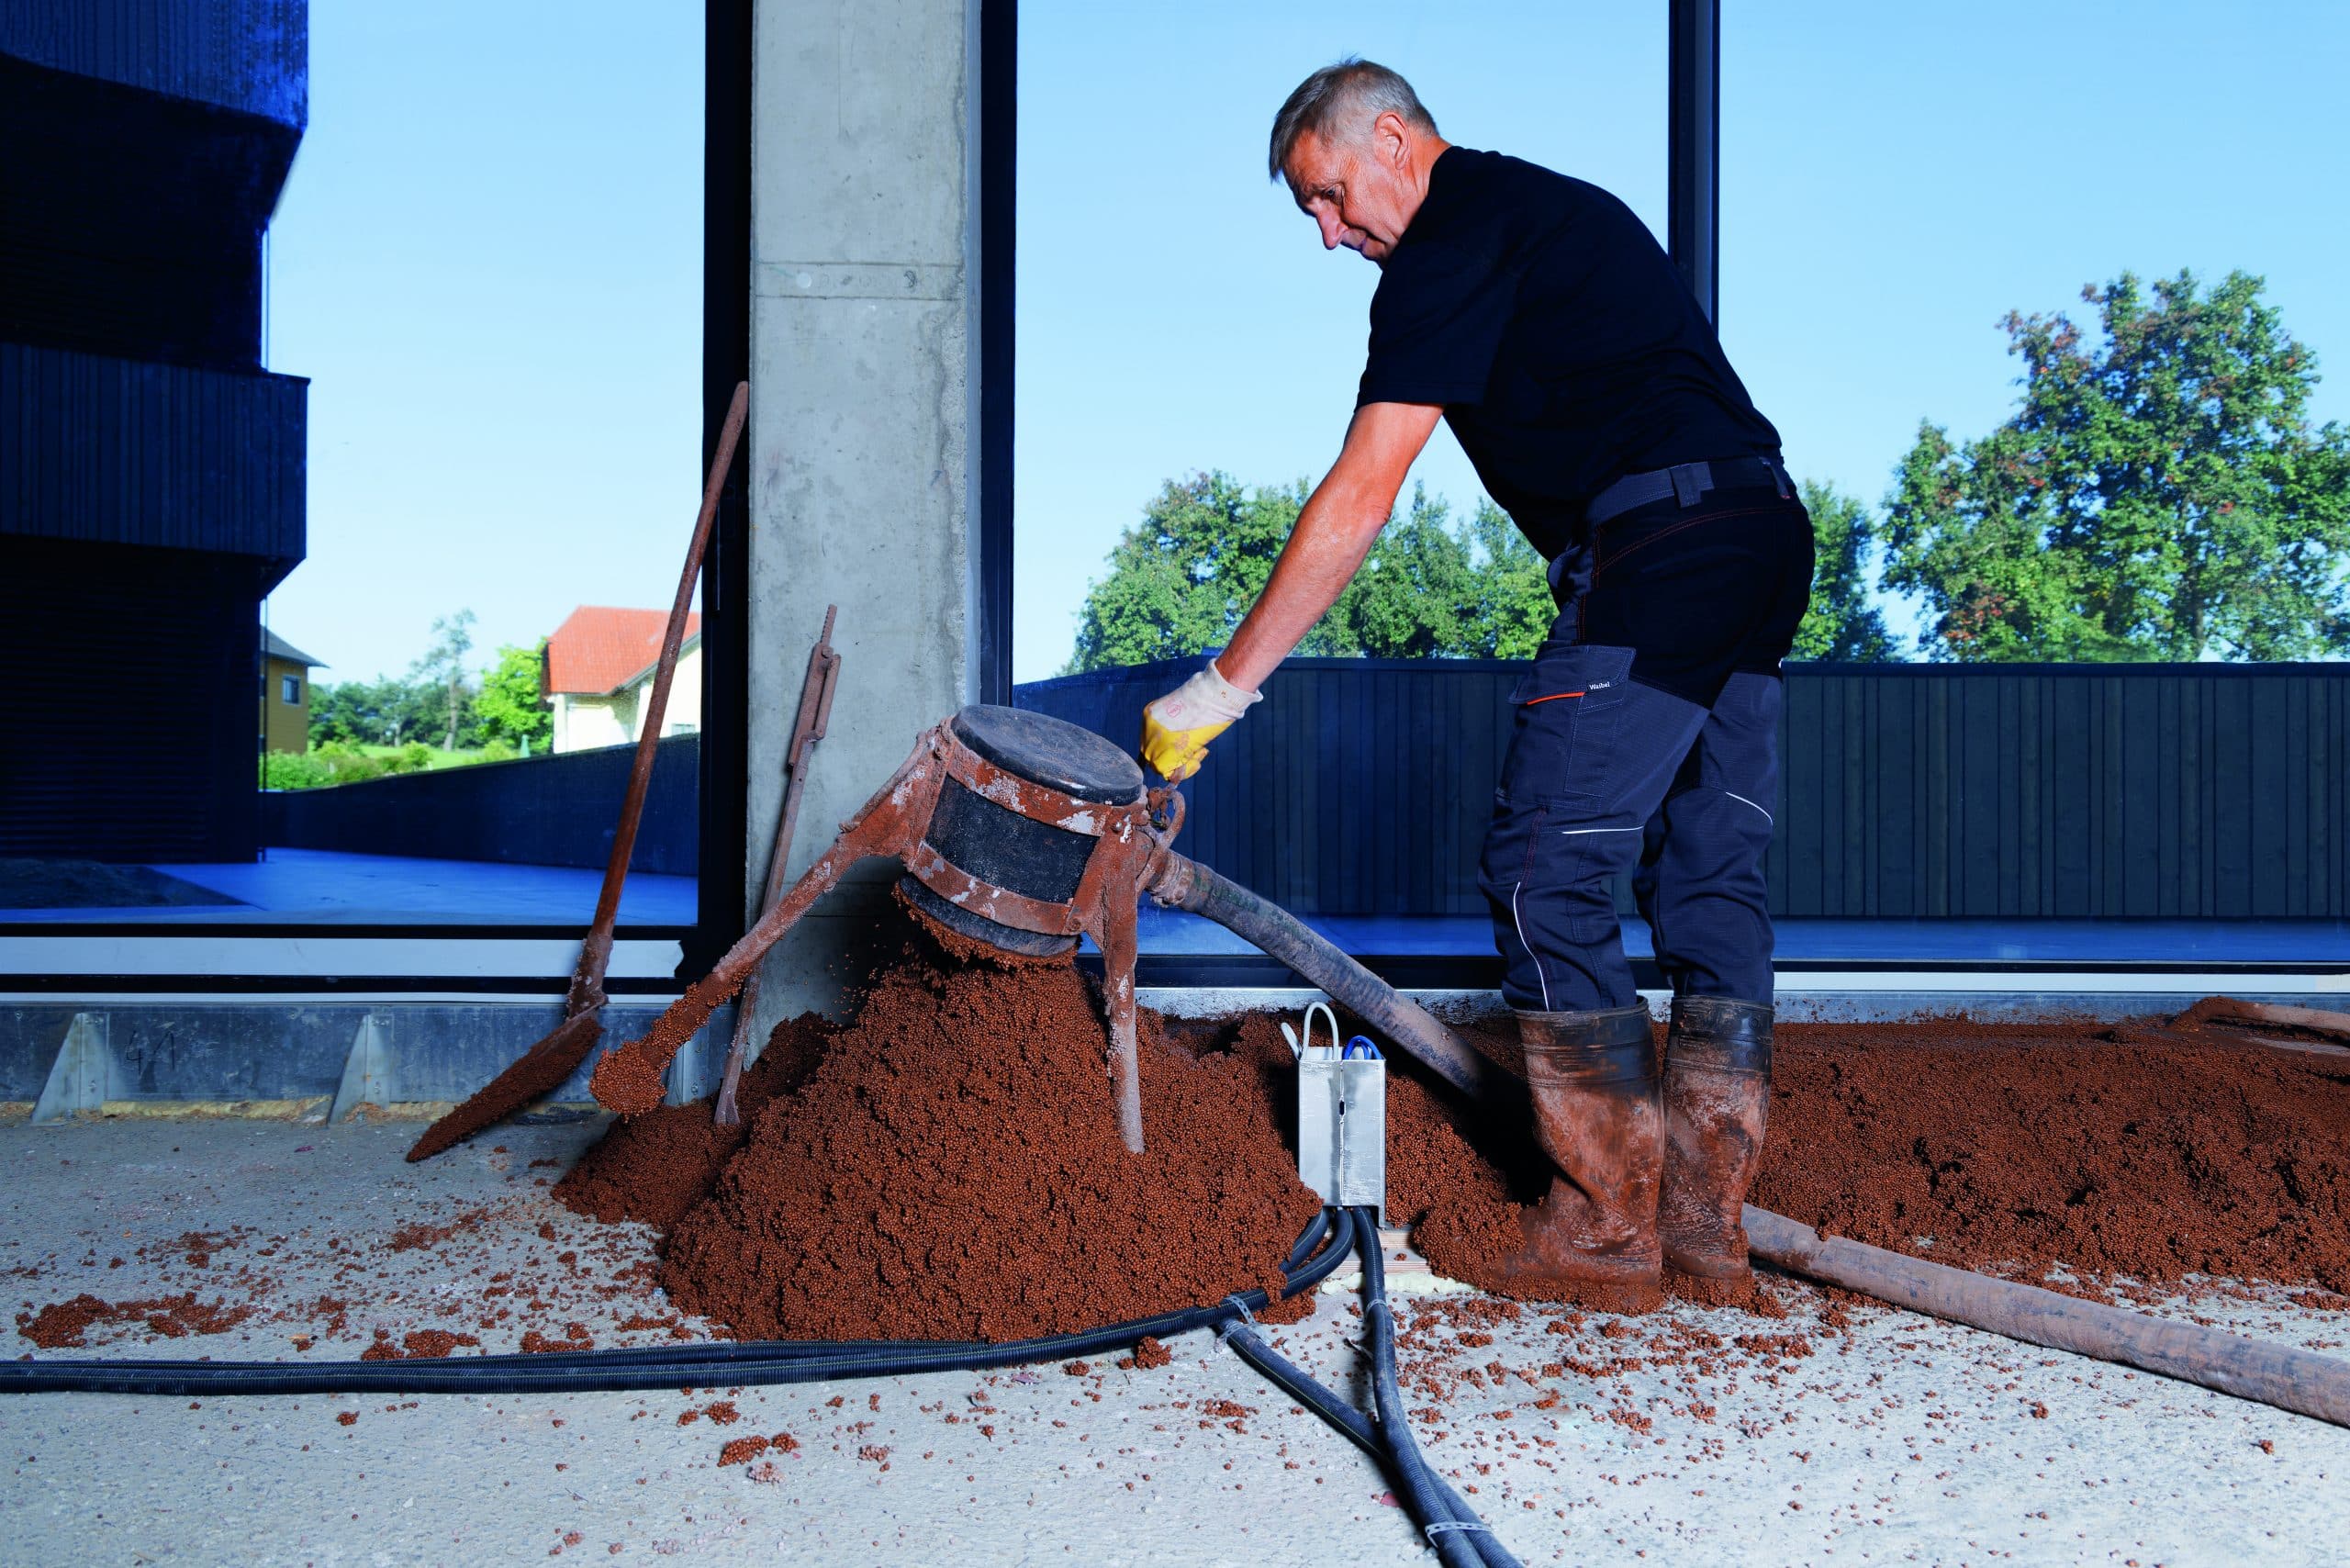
(999, 71)
(1692, 226)
(726, 574)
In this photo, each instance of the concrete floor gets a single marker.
(1664, 1439)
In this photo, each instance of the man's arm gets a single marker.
(1334, 532)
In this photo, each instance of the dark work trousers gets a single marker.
(1646, 740)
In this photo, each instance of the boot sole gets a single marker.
(1710, 1290)
(1627, 1297)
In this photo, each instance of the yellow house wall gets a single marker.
(285, 726)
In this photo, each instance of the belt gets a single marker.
(1685, 482)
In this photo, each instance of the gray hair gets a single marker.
(1335, 98)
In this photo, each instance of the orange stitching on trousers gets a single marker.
(1600, 566)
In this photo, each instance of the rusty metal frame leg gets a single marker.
(629, 1080)
(814, 717)
(1114, 933)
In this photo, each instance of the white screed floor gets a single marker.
(1835, 1434)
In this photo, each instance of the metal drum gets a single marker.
(1019, 854)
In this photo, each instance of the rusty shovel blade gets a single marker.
(537, 1073)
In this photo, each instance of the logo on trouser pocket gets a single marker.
(1564, 725)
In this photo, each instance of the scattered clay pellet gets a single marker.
(61, 1325)
(742, 1450)
(951, 1169)
(946, 1167)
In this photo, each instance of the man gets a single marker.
(1537, 315)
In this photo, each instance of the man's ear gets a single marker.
(1392, 136)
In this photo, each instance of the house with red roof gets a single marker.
(598, 669)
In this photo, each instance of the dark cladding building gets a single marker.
(151, 470)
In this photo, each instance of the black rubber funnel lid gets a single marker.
(1050, 751)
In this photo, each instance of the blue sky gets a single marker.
(488, 258)
(488, 262)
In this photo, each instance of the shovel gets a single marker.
(542, 1069)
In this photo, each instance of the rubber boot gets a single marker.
(1593, 1080)
(1716, 1098)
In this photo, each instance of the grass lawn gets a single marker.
(441, 756)
(350, 765)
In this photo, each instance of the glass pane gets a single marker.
(1179, 314)
(436, 386)
(1897, 181)
(1176, 312)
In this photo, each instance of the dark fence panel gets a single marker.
(541, 811)
(1361, 786)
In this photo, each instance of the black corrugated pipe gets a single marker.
(1461, 1542)
(1451, 1526)
(751, 1362)
(1444, 1505)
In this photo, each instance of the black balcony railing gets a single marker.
(104, 451)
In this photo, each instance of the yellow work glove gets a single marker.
(1177, 728)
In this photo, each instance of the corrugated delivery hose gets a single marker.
(743, 1361)
(1452, 1528)
(1463, 1541)
(1320, 1249)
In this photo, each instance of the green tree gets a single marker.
(385, 712)
(1841, 624)
(1514, 607)
(1184, 574)
(1414, 595)
(443, 667)
(1182, 577)
(510, 706)
(2159, 493)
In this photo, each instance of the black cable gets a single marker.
(744, 1363)
(1349, 1422)
(1445, 1508)
(1300, 1384)
(1315, 1235)
(1459, 1538)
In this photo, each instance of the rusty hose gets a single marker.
(1185, 884)
(2279, 1375)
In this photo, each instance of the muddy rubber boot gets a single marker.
(1716, 1099)
(1593, 1080)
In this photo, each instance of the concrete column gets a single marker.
(863, 410)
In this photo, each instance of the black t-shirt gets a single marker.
(1565, 347)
